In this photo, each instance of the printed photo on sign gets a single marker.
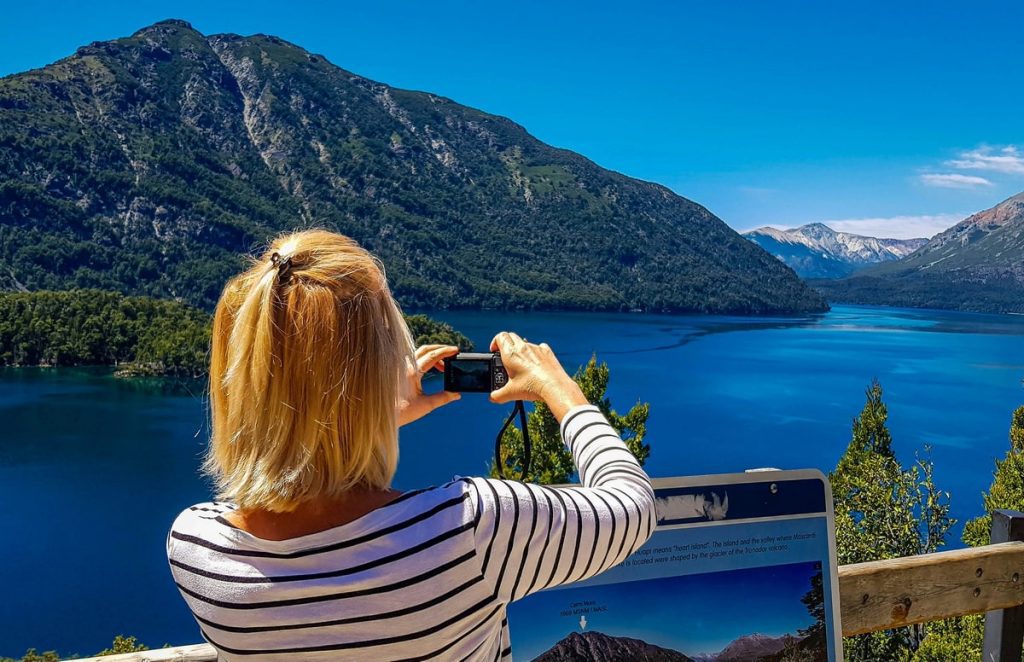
(774, 614)
(741, 567)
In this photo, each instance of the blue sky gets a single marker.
(893, 119)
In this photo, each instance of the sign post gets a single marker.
(1004, 629)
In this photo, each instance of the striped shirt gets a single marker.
(426, 576)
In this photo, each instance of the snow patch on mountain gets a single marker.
(817, 251)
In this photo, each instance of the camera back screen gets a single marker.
(473, 375)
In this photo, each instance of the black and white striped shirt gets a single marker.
(426, 576)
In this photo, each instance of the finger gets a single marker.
(503, 395)
(439, 352)
(437, 365)
(509, 343)
(424, 349)
(510, 393)
(502, 342)
(517, 341)
(433, 358)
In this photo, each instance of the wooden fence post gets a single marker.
(1004, 629)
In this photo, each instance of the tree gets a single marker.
(550, 462)
(812, 643)
(427, 331)
(814, 600)
(953, 640)
(960, 639)
(1007, 489)
(139, 335)
(32, 656)
(884, 511)
(123, 644)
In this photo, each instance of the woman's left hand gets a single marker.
(418, 404)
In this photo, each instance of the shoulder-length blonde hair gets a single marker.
(310, 354)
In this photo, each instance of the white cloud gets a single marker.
(953, 180)
(1006, 159)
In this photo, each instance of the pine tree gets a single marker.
(814, 600)
(551, 463)
(960, 639)
(1007, 489)
(884, 511)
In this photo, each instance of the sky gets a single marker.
(888, 119)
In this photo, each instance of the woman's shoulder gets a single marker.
(199, 524)
(201, 516)
(437, 498)
(453, 502)
(205, 511)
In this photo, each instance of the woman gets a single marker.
(309, 554)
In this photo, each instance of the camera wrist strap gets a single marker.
(527, 450)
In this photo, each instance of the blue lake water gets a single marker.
(94, 469)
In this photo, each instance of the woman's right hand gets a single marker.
(534, 373)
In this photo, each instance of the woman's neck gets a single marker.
(311, 516)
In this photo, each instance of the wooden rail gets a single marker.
(915, 589)
(879, 595)
(193, 653)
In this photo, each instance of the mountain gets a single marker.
(600, 647)
(818, 251)
(978, 264)
(812, 648)
(760, 648)
(754, 647)
(150, 164)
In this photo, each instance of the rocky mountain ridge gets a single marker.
(750, 648)
(817, 251)
(753, 647)
(596, 646)
(992, 233)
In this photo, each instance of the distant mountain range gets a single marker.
(599, 647)
(818, 251)
(978, 265)
(755, 647)
(150, 164)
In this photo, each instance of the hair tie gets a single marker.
(283, 264)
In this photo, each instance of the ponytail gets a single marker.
(309, 357)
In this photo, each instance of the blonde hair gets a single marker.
(310, 355)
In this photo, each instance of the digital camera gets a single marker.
(474, 373)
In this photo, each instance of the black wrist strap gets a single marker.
(527, 450)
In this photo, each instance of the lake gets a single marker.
(94, 469)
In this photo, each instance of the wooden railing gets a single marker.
(881, 595)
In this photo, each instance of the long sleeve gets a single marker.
(531, 537)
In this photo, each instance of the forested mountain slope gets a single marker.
(150, 164)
